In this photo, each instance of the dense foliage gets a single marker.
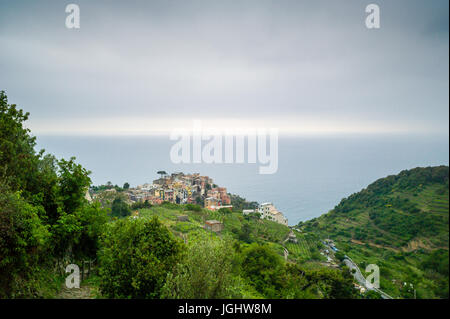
(135, 258)
(400, 223)
(240, 203)
(44, 216)
(206, 270)
(226, 265)
(23, 240)
(46, 223)
(119, 208)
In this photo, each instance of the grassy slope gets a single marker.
(262, 231)
(395, 223)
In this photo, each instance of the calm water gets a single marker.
(314, 173)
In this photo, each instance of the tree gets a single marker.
(78, 233)
(73, 183)
(162, 173)
(224, 211)
(23, 240)
(254, 216)
(193, 207)
(18, 159)
(43, 212)
(333, 283)
(205, 272)
(295, 284)
(126, 186)
(245, 233)
(340, 256)
(263, 268)
(135, 257)
(200, 201)
(119, 208)
(372, 294)
(139, 205)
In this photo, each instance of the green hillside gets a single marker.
(48, 222)
(399, 223)
(244, 229)
(302, 275)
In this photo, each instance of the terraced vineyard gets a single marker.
(304, 249)
(400, 223)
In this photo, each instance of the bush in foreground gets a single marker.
(135, 258)
(205, 272)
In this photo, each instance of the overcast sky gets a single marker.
(296, 65)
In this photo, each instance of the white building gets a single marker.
(146, 187)
(268, 211)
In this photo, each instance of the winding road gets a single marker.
(360, 278)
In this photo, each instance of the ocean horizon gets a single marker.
(314, 172)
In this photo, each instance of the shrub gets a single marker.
(23, 238)
(224, 211)
(135, 258)
(193, 207)
(264, 268)
(204, 272)
(119, 208)
(340, 256)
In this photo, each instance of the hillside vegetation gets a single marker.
(399, 223)
(47, 223)
(244, 229)
(247, 240)
(144, 251)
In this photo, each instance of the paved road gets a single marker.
(358, 275)
(360, 278)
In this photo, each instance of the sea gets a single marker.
(314, 172)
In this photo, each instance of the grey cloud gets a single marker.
(228, 58)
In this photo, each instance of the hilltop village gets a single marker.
(180, 188)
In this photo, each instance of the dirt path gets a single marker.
(374, 245)
(84, 292)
